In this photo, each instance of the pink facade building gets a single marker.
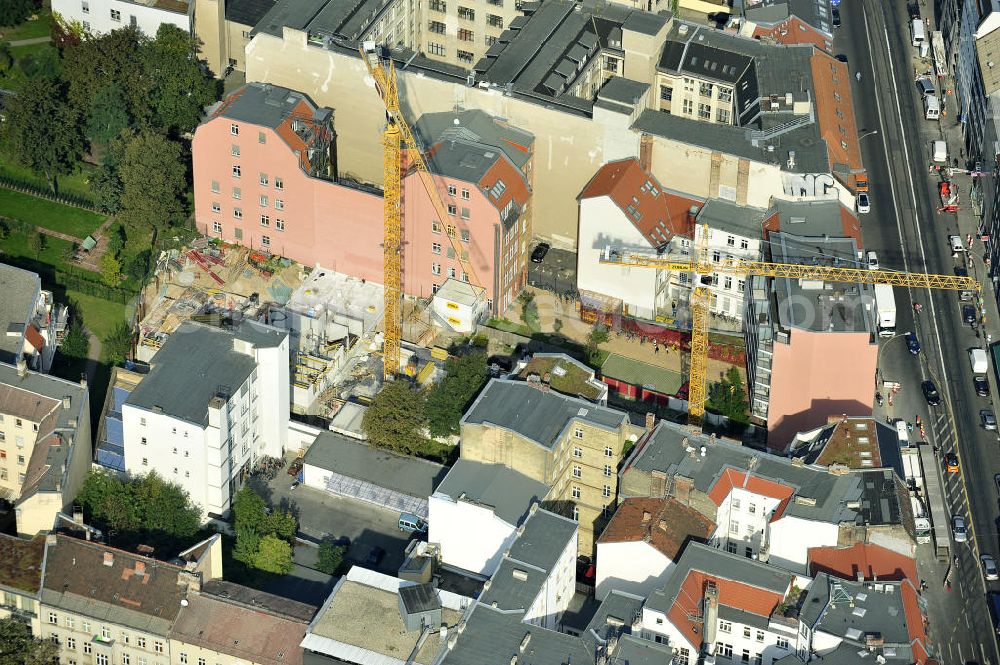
(265, 177)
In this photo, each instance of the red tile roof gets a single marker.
(657, 214)
(871, 560)
(733, 478)
(731, 594)
(666, 524)
(34, 337)
(513, 178)
(835, 109)
(794, 31)
(915, 623)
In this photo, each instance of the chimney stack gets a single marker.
(83, 381)
(22, 368)
(646, 516)
(650, 420)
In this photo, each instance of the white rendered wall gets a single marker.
(791, 538)
(471, 537)
(634, 567)
(99, 18)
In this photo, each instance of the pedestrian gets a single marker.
(858, 76)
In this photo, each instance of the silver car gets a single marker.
(988, 419)
(959, 529)
(989, 568)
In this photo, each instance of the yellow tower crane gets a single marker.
(396, 135)
(701, 294)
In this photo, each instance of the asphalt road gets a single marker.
(906, 230)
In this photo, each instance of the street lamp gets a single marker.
(874, 131)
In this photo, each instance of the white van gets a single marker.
(977, 358)
(918, 34)
(940, 151)
(932, 108)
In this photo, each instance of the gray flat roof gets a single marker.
(538, 416)
(723, 565)
(810, 218)
(815, 305)
(624, 91)
(247, 12)
(475, 126)
(20, 289)
(356, 459)
(263, 104)
(825, 495)
(508, 492)
(195, 363)
(732, 218)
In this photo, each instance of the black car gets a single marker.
(982, 386)
(541, 249)
(836, 17)
(912, 343)
(375, 556)
(969, 314)
(842, 57)
(931, 393)
(343, 541)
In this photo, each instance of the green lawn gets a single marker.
(74, 183)
(31, 49)
(99, 316)
(40, 26)
(16, 245)
(76, 222)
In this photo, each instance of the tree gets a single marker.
(36, 242)
(109, 114)
(183, 88)
(598, 335)
(168, 507)
(249, 511)
(447, 401)
(13, 12)
(153, 181)
(247, 546)
(281, 524)
(138, 266)
(395, 418)
(6, 59)
(42, 131)
(114, 58)
(43, 64)
(117, 239)
(18, 647)
(274, 555)
(106, 187)
(529, 311)
(728, 398)
(76, 343)
(111, 270)
(118, 343)
(331, 557)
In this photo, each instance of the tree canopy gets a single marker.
(395, 418)
(109, 115)
(13, 12)
(728, 398)
(153, 176)
(263, 540)
(448, 400)
(18, 647)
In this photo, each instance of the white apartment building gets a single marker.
(31, 320)
(214, 403)
(98, 17)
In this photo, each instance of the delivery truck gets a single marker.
(885, 308)
(977, 358)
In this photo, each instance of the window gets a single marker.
(87, 648)
(70, 622)
(53, 618)
(725, 626)
(279, 183)
(578, 433)
(279, 224)
(465, 235)
(436, 247)
(722, 116)
(435, 49)
(750, 530)
(3, 474)
(265, 241)
(466, 56)
(437, 27)
(279, 204)
(490, 40)
(466, 35)
(145, 461)
(746, 656)
(577, 452)
(465, 213)
(105, 632)
(734, 527)
(158, 647)
(760, 635)
(452, 209)
(494, 21)
(126, 659)
(758, 659)
(466, 14)
(263, 201)
(125, 637)
(236, 170)
(724, 650)
(735, 503)
(752, 509)
(746, 632)
(71, 643)
(234, 129)
(263, 179)
(215, 186)
(436, 268)
(142, 661)
(452, 190)
(688, 107)
(725, 94)
(265, 220)
(86, 28)
(435, 227)
(609, 451)
(237, 193)
(238, 213)
(217, 227)
(607, 491)
(102, 659)
(576, 493)
(140, 642)
(116, 16)
(705, 89)
(20, 478)
(744, 243)
(184, 658)
(216, 207)
(666, 93)
(782, 643)
(683, 656)
(85, 6)
(3, 454)
(577, 471)
(439, 6)
(728, 283)
(451, 273)
(576, 512)
(607, 470)
(235, 150)
(18, 423)
(705, 111)
(201, 661)
(261, 137)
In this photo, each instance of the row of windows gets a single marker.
(727, 627)
(436, 228)
(279, 183)
(751, 506)
(726, 651)
(3, 456)
(578, 471)
(578, 451)
(576, 492)
(18, 423)
(106, 635)
(4, 476)
(18, 439)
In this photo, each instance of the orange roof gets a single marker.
(870, 560)
(733, 478)
(915, 623)
(794, 31)
(34, 337)
(294, 141)
(513, 178)
(835, 109)
(731, 594)
(658, 215)
(666, 524)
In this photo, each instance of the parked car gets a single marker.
(951, 462)
(931, 393)
(871, 258)
(926, 87)
(375, 556)
(541, 249)
(836, 17)
(959, 529)
(982, 386)
(956, 244)
(989, 419)
(842, 57)
(990, 572)
(343, 541)
(912, 343)
(864, 203)
(969, 314)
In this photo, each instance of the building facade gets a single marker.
(99, 17)
(34, 323)
(21, 578)
(214, 403)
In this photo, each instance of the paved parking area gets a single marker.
(556, 272)
(322, 514)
